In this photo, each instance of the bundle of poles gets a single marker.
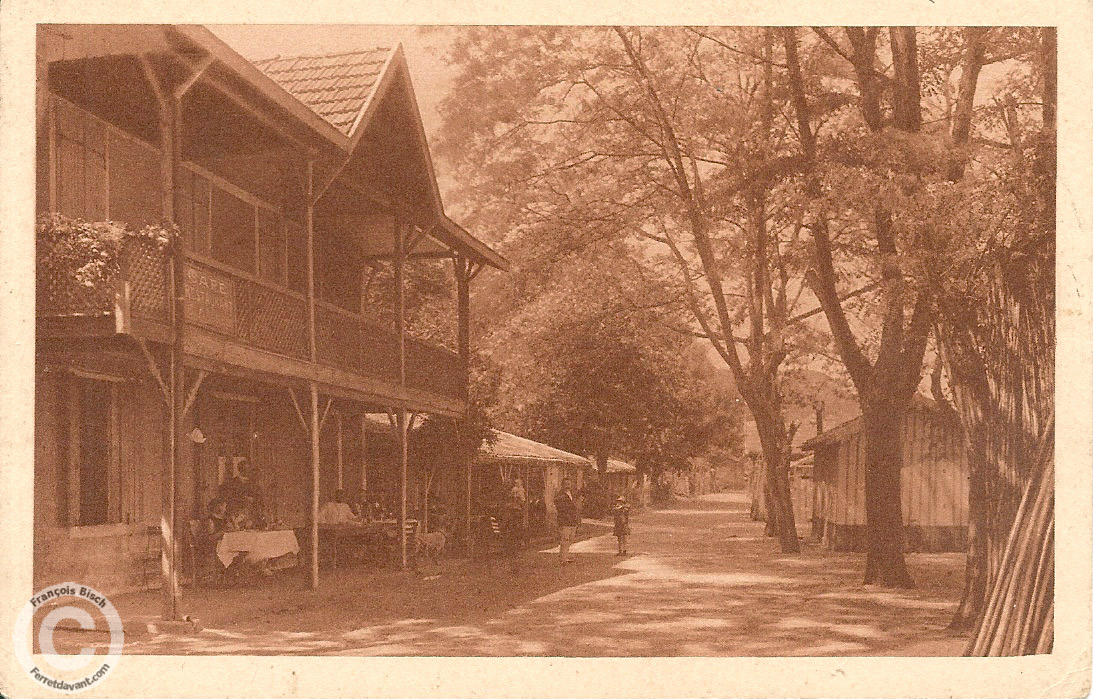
(1020, 612)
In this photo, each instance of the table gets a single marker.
(256, 544)
(371, 529)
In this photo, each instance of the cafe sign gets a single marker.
(209, 298)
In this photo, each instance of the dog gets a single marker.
(433, 544)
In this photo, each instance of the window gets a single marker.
(135, 188)
(103, 174)
(94, 476)
(192, 211)
(80, 163)
(233, 233)
(271, 247)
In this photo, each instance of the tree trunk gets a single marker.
(977, 567)
(776, 451)
(884, 563)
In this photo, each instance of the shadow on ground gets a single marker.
(703, 581)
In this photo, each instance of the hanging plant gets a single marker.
(89, 252)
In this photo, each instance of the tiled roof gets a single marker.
(335, 86)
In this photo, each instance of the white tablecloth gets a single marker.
(258, 545)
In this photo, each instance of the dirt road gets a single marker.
(701, 580)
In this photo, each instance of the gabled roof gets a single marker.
(335, 86)
(508, 446)
(335, 96)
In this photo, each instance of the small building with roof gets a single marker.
(540, 468)
(933, 482)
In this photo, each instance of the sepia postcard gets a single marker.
(658, 350)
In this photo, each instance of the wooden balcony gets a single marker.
(246, 321)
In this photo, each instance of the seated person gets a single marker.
(239, 516)
(217, 521)
(242, 490)
(337, 510)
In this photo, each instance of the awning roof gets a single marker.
(616, 466)
(508, 446)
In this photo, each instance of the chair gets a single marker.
(152, 551)
(394, 547)
(201, 554)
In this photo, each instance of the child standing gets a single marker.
(621, 512)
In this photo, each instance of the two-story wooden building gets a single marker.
(304, 194)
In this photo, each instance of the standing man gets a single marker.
(568, 519)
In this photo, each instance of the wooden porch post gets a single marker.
(169, 121)
(364, 453)
(341, 465)
(314, 485)
(400, 333)
(313, 353)
(463, 294)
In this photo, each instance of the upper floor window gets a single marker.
(100, 173)
(234, 241)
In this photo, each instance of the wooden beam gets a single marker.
(473, 269)
(198, 71)
(340, 455)
(400, 334)
(415, 236)
(326, 185)
(444, 255)
(153, 81)
(201, 374)
(165, 391)
(404, 475)
(123, 307)
(463, 312)
(299, 413)
(311, 340)
(326, 411)
(364, 452)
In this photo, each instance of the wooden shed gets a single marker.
(934, 482)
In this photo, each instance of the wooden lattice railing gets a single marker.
(253, 312)
(140, 282)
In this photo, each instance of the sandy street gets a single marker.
(700, 581)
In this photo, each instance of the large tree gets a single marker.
(672, 139)
(996, 324)
(890, 201)
(584, 364)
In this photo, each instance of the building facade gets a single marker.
(933, 482)
(268, 329)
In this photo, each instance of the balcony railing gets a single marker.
(252, 312)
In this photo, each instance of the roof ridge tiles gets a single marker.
(335, 54)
